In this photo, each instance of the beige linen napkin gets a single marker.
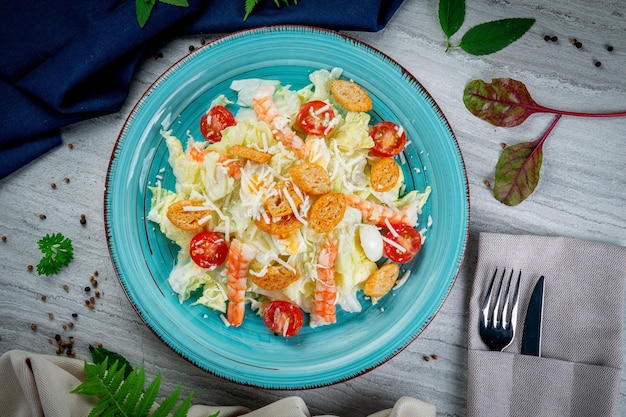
(579, 371)
(39, 385)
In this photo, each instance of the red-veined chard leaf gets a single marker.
(487, 38)
(451, 16)
(506, 102)
(517, 171)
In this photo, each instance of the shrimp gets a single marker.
(324, 310)
(232, 166)
(267, 112)
(239, 257)
(382, 215)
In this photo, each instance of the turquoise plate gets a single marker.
(250, 354)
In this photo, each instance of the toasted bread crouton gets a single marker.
(277, 203)
(327, 212)
(187, 219)
(249, 153)
(385, 174)
(281, 226)
(382, 280)
(350, 95)
(277, 277)
(311, 178)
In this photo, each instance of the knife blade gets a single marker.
(531, 338)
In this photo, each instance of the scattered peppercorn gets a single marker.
(74, 315)
(57, 337)
(202, 41)
(435, 357)
(87, 289)
(42, 216)
(92, 300)
(51, 315)
(192, 48)
(95, 272)
(65, 327)
(33, 327)
(66, 287)
(546, 38)
(44, 297)
(53, 185)
(4, 238)
(554, 39)
(29, 267)
(99, 344)
(503, 145)
(598, 64)
(609, 48)
(70, 145)
(426, 358)
(66, 180)
(70, 325)
(97, 293)
(72, 339)
(578, 45)
(487, 184)
(573, 41)
(83, 219)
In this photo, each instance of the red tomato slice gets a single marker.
(283, 317)
(208, 249)
(217, 119)
(316, 118)
(408, 238)
(389, 139)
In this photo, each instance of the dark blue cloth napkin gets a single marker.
(64, 61)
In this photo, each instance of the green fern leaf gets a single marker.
(249, 7)
(168, 404)
(143, 408)
(184, 407)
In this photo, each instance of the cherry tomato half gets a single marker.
(316, 118)
(217, 119)
(208, 249)
(389, 139)
(408, 238)
(283, 317)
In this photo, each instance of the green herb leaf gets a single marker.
(57, 252)
(451, 16)
(250, 5)
(517, 171)
(99, 355)
(143, 9)
(491, 37)
(179, 3)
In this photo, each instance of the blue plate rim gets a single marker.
(361, 44)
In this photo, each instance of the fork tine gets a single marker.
(499, 315)
(515, 300)
(505, 308)
(484, 312)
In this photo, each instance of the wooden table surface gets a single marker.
(581, 194)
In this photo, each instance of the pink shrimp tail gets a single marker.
(324, 309)
(266, 111)
(379, 214)
(239, 257)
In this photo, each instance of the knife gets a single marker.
(531, 339)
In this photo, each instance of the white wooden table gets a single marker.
(581, 194)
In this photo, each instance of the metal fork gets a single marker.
(497, 323)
